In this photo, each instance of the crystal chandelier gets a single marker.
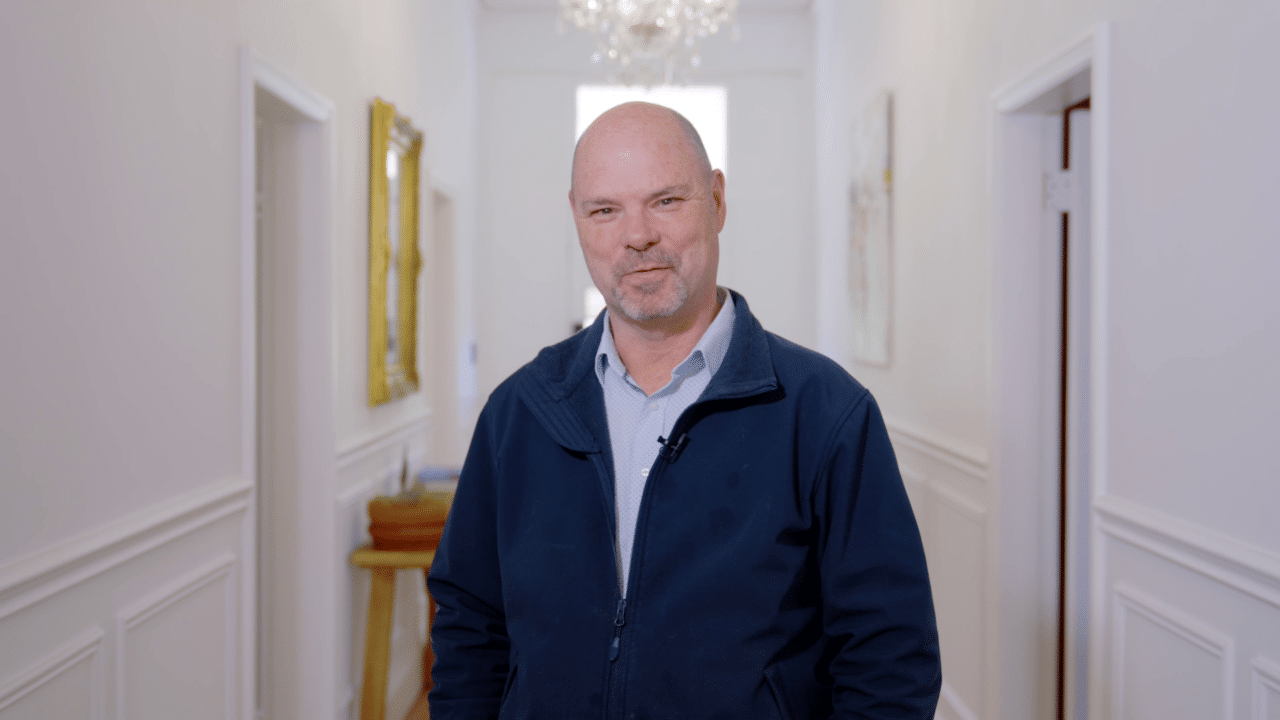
(648, 41)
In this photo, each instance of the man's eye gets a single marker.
(668, 201)
(602, 211)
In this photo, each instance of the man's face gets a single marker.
(648, 216)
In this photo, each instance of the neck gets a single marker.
(651, 350)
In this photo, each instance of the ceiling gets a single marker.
(554, 4)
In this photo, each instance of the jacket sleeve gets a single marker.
(877, 604)
(469, 634)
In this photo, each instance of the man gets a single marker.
(674, 514)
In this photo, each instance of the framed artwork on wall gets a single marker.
(395, 152)
(871, 231)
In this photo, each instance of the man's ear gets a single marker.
(717, 195)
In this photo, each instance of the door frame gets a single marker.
(1024, 462)
(314, 660)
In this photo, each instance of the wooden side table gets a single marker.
(377, 634)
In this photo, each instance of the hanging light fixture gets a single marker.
(648, 41)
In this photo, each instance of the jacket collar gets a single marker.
(562, 391)
(747, 367)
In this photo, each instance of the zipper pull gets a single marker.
(619, 620)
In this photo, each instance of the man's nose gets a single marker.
(639, 232)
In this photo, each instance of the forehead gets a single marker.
(633, 151)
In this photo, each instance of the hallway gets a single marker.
(184, 413)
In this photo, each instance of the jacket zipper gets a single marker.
(613, 679)
(613, 685)
(615, 682)
(619, 620)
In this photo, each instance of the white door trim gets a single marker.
(315, 661)
(1024, 452)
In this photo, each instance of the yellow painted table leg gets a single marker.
(377, 644)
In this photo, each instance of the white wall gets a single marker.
(120, 434)
(531, 274)
(122, 499)
(1188, 550)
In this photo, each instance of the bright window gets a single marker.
(704, 105)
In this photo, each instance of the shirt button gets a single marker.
(644, 473)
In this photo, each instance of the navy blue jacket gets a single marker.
(777, 570)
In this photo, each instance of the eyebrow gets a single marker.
(677, 189)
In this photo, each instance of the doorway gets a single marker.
(287, 434)
(1067, 225)
(1049, 310)
(443, 329)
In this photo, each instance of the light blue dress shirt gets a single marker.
(637, 420)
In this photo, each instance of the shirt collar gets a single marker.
(711, 348)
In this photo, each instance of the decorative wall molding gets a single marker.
(1017, 94)
(348, 498)
(962, 455)
(953, 705)
(1238, 564)
(1126, 599)
(917, 490)
(371, 480)
(39, 576)
(911, 476)
(933, 489)
(1266, 684)
(374, 443)
(221, 568)
(965, 506)
(87, 646)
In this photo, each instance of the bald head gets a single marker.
(646, 117)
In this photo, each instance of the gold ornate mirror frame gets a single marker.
(395, 151)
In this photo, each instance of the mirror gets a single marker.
(394, 259)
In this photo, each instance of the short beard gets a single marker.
(636, 311)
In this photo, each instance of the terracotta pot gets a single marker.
(408, 521)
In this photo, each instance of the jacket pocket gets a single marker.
(798, 694)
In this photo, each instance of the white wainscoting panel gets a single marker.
(1246, 568)
(177, 630)
(963, 456)
(175, 649)
(957, 570)
(946, 480)
(917, 492)
(66, 685)
(1266, 689)
(30, 580)
(1192, 619)
(1167, 664)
